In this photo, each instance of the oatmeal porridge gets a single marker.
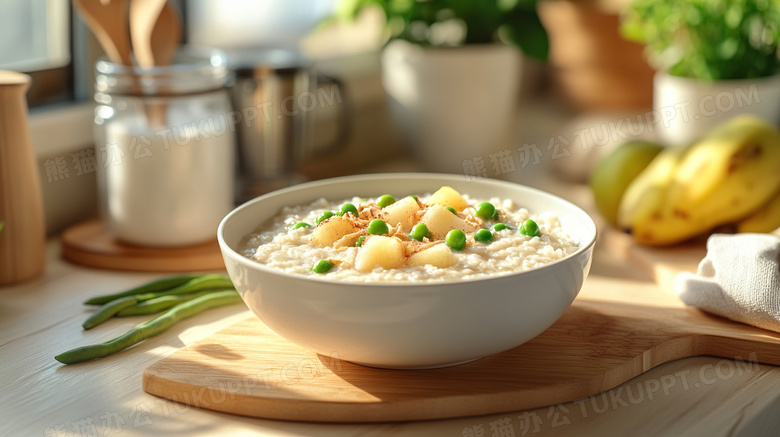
(429, 237)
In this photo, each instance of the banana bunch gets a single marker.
(730, 176)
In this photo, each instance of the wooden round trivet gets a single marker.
(91, 244)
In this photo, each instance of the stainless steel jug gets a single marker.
(276, 96)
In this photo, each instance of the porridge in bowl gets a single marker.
(412, 316)
(424, 237)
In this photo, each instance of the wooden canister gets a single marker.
(23, 236)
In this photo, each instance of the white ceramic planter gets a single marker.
(452, 104)
(686, 108)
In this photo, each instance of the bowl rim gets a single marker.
(229, 251)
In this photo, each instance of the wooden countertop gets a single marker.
(41, 397)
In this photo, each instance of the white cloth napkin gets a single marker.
(738, 279)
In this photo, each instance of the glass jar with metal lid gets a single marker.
(165, 148)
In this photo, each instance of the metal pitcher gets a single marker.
(275, 97)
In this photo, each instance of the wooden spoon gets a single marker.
(155, 30)
(107, 19)
(166, 36)
(143, 17)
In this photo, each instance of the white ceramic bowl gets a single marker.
(407, 325)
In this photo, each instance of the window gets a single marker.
(35, 38)
(252, 23)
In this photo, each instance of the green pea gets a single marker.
(452, 210)
(483, 236)
(385, 200)
(377, 227)
(359, 242)
(495, 215)
(323, 266)
(456, 239)
(486, 210)
(324, 216)
(301, 225)
(530, 228)
(348, 207)
(500, 227)
(419, 231)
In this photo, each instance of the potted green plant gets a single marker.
(716, 59)
(451, 70)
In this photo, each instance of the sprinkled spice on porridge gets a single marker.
(441, 236)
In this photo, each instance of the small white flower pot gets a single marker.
(452, 104)
(684, 109)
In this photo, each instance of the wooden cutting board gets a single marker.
(615, 330)
(661, 264)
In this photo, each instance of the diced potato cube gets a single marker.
(402, 211)
(438, 256)
(440, 220)
(447, 196)
(331, 230)
(377, 250)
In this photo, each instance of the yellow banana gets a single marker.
(611, 177)
(766, 219)
(644, 200)
(729, 173)
(726, 175)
